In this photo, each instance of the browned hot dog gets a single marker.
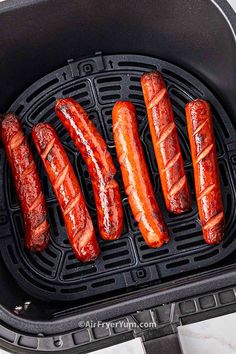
(27, 183)
(206, 177)
(135, 175)
(165, 141)
(100, 166)
(67, 190)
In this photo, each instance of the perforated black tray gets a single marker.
(97, 83)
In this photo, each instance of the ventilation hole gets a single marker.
(148, 136)
(184, 227)
(181, 79)
(89, 186)
(40, 109)
(41, 89)
(34, 261)
(19, 109)
(115, 255)
(74, 290)
(184, 143)
(84, 103)
(79, 274)
(229, 206)
(140, 239)
(77, 264)
(86, 174)
(81, 95)
(110, 97)
(191, 244)
(206, 255)
(62, 133)
(218, 147)
(190, 181)
(140, 114)
(75, 88)
(188, 236)
(108, 112)
(35, 283)
(183, 151)
(53, 221)
(11, 187)
(135, 78)
(109, 121)
(177, 264)
(180, 108)
(117, 264)
(109, 79)
(103, 283)
(68, 139)
(137, 65)
(59, 213)
(180, 96)
(223, 174)
(45, 260)
(217, 117)
(136, 97)
(70, 276)
(136, 88)
(71, 256)
(20, 226)
(155, 253)
(12, 254)
(50, 253)
(113, 246)
(110, 88)
(182, 122)
(45, 186)
(48, 114)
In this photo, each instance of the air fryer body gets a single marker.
(39, 37)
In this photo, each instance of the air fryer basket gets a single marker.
(97, 83)
(128, 276)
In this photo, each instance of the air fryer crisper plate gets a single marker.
(97, 83)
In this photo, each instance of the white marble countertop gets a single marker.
(134, 346)
(233, 4)
(214, 336)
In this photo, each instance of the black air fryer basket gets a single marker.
(95, 52)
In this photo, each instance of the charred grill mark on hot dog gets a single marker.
(165, 142)
(67, 190)
(203, 150)
(100, 166)
(136, 176)
(27, 183)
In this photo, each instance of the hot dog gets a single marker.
(135, 175)
(77, 220)
(165, 142)
(206, 177)
(100, 166)
(27, 183)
